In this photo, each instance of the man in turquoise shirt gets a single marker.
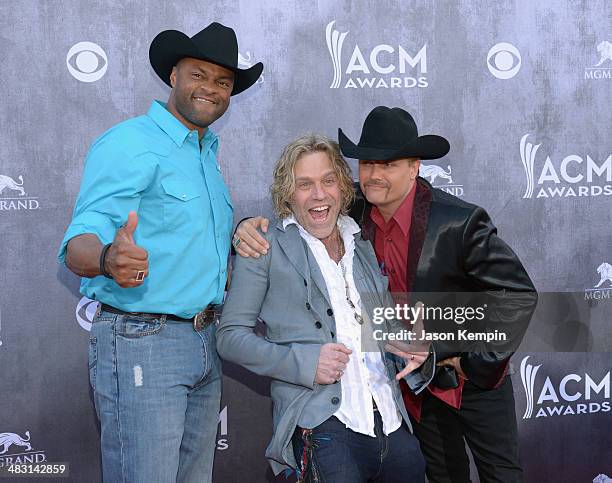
(150, 235)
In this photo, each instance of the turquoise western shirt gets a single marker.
(156, 166)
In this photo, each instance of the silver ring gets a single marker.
(140, 275)
(236, 241)
(411, 357)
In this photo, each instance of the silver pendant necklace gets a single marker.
(347, 290)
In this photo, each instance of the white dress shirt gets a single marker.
(365, 376)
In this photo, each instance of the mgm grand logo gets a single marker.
(603, 288)
(13, 196)
(441, 178)
(18, 450)
(603, 68)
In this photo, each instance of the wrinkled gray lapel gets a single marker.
(297, 252)
(291, 243)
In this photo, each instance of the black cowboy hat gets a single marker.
(216, 43)
(389, 134)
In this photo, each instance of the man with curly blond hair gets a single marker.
(338, 410)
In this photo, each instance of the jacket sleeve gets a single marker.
(508, 292)
(422, 376)
(237, 341)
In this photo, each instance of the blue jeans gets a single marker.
(157, 391)
(341, 455)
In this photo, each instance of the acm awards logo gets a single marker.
(433, 172)
(17, 449)
(222, 442)
(574, 394)
(603, 68)
(87, 62)
(603, 288)
(383, 66)
(574, 176)
(13, 196)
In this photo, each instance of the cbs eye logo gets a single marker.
(86, 61)
(504, 60)
(85, 312)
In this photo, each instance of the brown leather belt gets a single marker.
(200, 321)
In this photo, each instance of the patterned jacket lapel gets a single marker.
(418, 230)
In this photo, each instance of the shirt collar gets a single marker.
(175, 129)
(346, 225)
(402, 216)
(210, 140)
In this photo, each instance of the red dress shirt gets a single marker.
(391, 245)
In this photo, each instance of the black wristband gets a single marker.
(103, 260)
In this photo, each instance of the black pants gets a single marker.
(487, 421)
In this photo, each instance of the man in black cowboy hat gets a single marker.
(430, 242)
(150, 236)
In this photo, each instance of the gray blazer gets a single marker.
(286, 290)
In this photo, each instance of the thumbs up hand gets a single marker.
(125, 261)
(126, 232)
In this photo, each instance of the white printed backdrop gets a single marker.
(521, 89)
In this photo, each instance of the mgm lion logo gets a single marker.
(605, 272)
(10, 183)
(9, 439)
(605, 51)
(244, 62)
(432, 171)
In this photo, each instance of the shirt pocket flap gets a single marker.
(180, 189)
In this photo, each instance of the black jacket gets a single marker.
(454, 248)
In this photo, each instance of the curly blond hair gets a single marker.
(283, 184)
